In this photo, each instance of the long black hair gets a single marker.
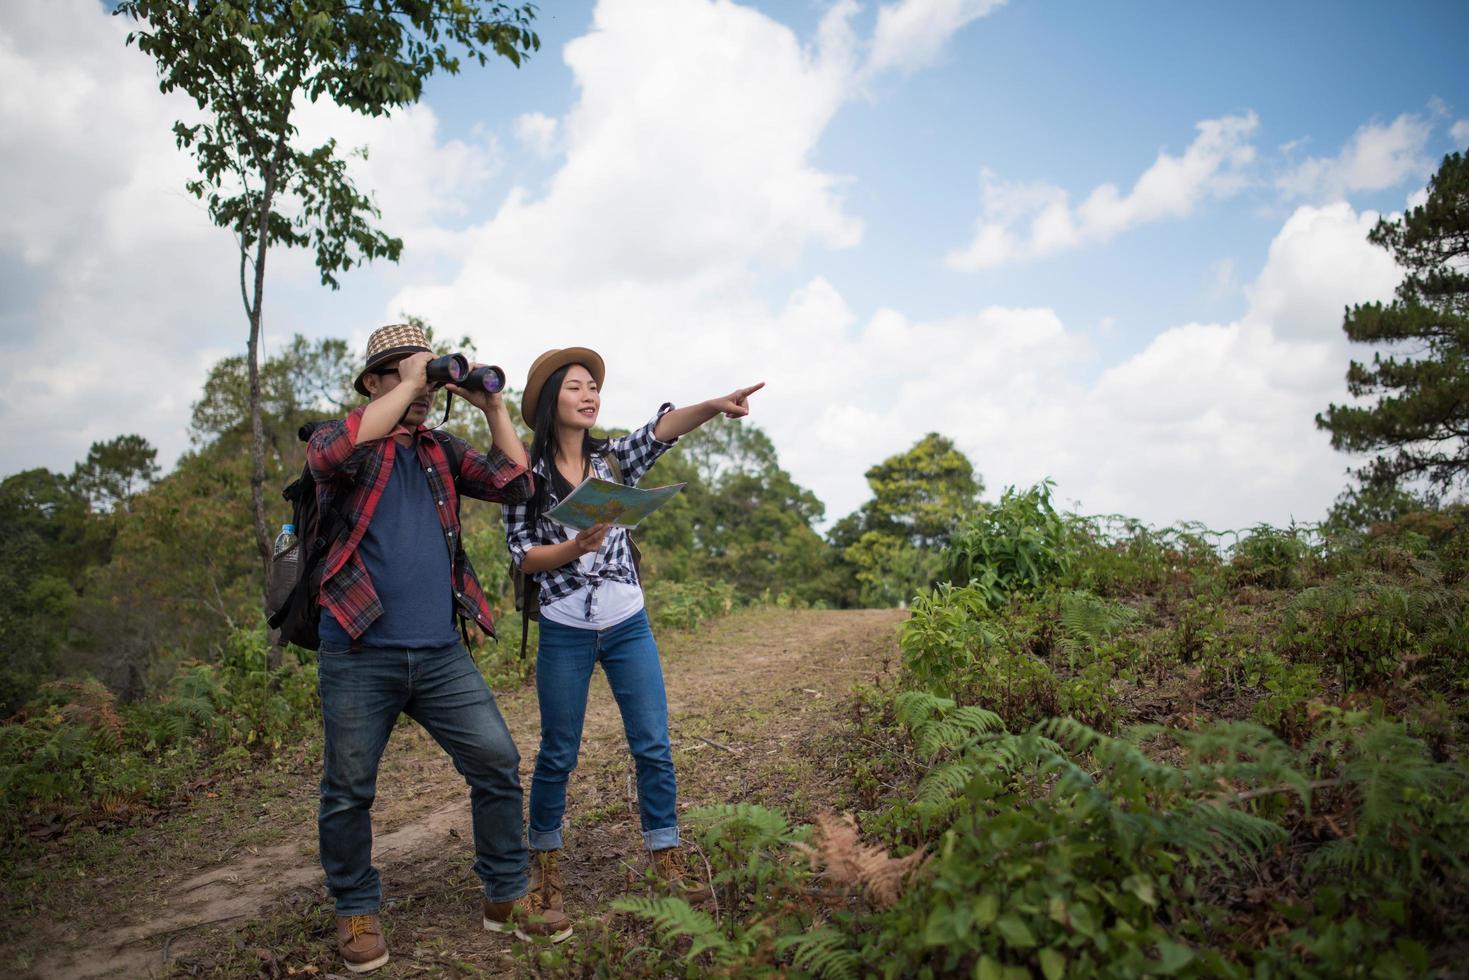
(543, 447)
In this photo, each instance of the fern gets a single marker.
(822, 951)
(946, 781)
(1088, 620)
(913, 708)
(742, 819)
(674, 917)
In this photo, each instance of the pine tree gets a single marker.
(1419, 425)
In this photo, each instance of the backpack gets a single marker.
(293, 593)
(528, 593)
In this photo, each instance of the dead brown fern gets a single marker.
(91, 704)
(865, 868)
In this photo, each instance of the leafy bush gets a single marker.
(1018, 546)
(684, 605)
(1369, 626)
(74, 754)
(1270, 558)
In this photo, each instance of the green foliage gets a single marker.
(918, 495)
(824, 952)
(49, 541)
(889, 545)
(1086, 621)
(250, 64)
(1373, 627)
(1019, 546)
(307, 379)
(684, 605)
(74, 753)
(1270, 558)
(888, 570)
(115, 470)
(674, 918)
(1419, 423)
(741, 519)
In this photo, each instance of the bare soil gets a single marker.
(232, 888)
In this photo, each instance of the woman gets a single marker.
(591, 604)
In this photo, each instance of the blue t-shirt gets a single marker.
(406, 554)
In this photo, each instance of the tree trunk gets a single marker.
(254, 304)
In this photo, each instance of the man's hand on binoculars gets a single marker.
(412, 371)
(480, 399)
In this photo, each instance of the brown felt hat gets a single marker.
(388, 344)
(548, 364)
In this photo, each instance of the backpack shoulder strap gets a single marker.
(456, 461)
(610, 458)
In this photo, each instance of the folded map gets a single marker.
(604, 502)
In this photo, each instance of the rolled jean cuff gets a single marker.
(516, 894)
(661, 839)
(545, 840)
(358, 907)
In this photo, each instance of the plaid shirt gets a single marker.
(353, 477)
(636, 453)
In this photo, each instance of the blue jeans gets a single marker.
(629, 658)
(362, 693)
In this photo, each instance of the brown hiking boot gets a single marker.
(546, 880)
(360, 941)
(527, 918)
(671, 871)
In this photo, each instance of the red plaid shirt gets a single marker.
(352, 478)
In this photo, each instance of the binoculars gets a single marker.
(454, 369)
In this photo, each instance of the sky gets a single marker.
(1106, 244)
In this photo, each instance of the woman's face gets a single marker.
(579, 399)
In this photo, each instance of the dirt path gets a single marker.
(754, 700)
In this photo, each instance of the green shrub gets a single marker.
(684, 605)
(1019, 545)
(75, 753)
(1364, 623)
(1271, 558)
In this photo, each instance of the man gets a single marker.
(393, 590)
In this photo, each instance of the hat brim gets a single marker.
(382, 357)
(548, 364)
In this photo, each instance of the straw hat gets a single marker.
(548, 364)
(389, 344)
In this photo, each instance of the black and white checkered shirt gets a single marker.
(636, 453)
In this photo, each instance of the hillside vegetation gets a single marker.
(1117, 751)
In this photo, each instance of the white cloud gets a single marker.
(1029, 220)
(687, 164)
(910, 34)
(1459, 132)
(1222, 279)
(120, 292)
(686, 172)
(1216, 421)
(1376, 157)
(537, 133)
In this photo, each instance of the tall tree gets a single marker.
(919, 494)
(44, 552)
(114, 471)
(1419, 424)
(249, 65)
(891, 544)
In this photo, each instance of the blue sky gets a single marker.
(896, 213)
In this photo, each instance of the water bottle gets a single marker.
(283, 564)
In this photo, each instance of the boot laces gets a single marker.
(551, 885)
